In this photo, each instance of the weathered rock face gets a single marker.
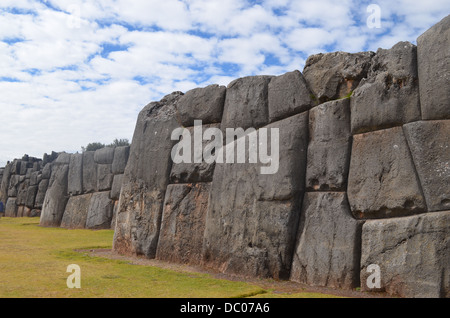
(288, 95)
(100, 211)
(434, 69)
(183, 223)
(246, 103)
(430, 149)
(205, 104)
(328, 246)
(76, 212)
(335, 75)
(75, 178)
(146, 178)
(329, 146)
(56, 196)
(390, 94)
(412, 254)
(252, 218)
(382, 177)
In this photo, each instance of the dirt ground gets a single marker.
(277, 286)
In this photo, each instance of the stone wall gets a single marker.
(66, 190)
(362, 182)
(363, 174)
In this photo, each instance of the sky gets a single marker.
(74, 72)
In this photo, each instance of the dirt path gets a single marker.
(282, 287)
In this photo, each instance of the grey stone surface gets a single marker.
(429, 142)
(412, 254)
(183, 223)
(119, 163)
(146, 178)
(390, 95)
(205, 104)
(382, 178)
(47, 171)
(100, 211)
(335, 75)
(288, 95)
(56, 197)
(116, 187)
(252, 218)
(193, 172)
(89, 172)
(433, 56)
(5, 183)
(246, 103)
(76, 212)
(40, 196)
(11, 208)
(31, 196)
(104, 155)
(22, 190)
(104, 177)
(63, 158)
(329, 147)
(329, 242)
(13, 187)
(75, 186)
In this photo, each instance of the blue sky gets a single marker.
(76, 71)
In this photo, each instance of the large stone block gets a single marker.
(31, 196)
(104, 155)
(146, 178)
(389, 96)
(22, 191)
(288, 95)
(100, 211)
(183, 223)
(246, 103)
(13, 187)
(119, 163)
(433, 58)
(205, 104)
(252, 218)
(47, 171)
(56, 197)
(193, 172)
(116, 187)
(412, 254)
(104, 177)
(335, 75)
(76, 212)
(328, 245)
(5, 183)
(40, 196)
(329, 147)
(429, 142)
(75, 186)
(11, 208)
(382, 179)
(89, 172)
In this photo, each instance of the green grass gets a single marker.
(34, 260)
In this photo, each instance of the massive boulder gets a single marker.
(252, 217)
(89, 172)
(411, 253)
(120, 159)
(75, 178)
(430, 149)
(56, 196)
(100, 211)
(183, 223)
(329, 146)
(434, 68)
(205, 104)
(382, 179)
(288, 95)
(246, 103)
(328, 244)
(389, 96)
(335, 75)
(146, 178)
(76, 212)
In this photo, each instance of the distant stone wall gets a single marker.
(68, 190)
(363, 179)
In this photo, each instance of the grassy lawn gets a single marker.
(34, 260)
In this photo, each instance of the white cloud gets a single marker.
(74, 72)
